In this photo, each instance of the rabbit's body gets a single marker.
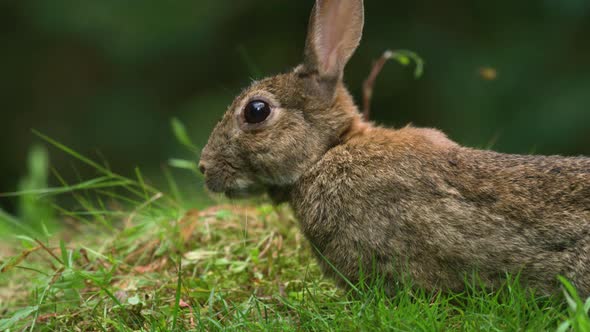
(408, 203)
(401, 203)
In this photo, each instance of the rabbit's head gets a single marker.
(280, 126)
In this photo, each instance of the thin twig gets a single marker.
(49, 251)
(369, 83)
(404, 57)
(268, 245)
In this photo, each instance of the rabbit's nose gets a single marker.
(202, 168)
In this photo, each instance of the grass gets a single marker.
(134, 258)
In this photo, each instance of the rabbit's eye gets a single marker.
(256, 111)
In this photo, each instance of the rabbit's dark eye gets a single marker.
(256, 111)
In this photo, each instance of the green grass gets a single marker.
(135, 258)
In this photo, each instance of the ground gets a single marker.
(229, 267)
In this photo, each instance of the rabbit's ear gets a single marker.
(335, 30)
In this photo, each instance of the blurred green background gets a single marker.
(105, 77)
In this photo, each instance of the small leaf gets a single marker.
(64, 253)
(223, 214)
(254, 255)
(265, 209)
(404, 60)
(134, 300)
(238, 267)
(183, 164)
(571, 302)
(198, 255)
(404, 57)
(221, 262)
(563, 327)
(26, 238)
(296, 295)
(6, 324)
(571, 294)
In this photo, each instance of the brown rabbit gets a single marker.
(396, 204)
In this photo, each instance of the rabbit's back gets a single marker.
(406, 202)
(411, 202)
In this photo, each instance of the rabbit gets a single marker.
(396, 205)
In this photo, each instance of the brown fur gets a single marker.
(400, 203)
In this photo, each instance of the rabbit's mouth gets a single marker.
(237, 193)
(234, 188)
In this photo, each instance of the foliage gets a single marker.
(106, 76)
(578, 310)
